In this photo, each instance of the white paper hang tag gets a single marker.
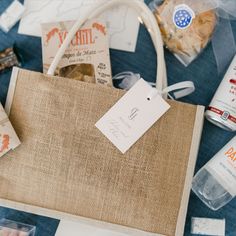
(132, 115)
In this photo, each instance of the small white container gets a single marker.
(215, 183)
(11, 16)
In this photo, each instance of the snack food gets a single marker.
(8, 59)
(87, 57)
(82, 72)
(185, 29)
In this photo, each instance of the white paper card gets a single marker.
(12, 14)
(132, 115)
(206, 226)
(122, 21)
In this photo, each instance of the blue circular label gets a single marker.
(183, 16)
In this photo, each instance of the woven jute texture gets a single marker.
(66, 164)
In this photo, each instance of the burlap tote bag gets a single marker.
(66, 167)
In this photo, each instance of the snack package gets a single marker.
(8, 137)
(86, 59)
(186, 26)
(8, 59)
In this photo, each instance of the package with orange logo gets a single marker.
(86, 59)
(8, 136)
(215, 183)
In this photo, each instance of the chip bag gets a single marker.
(86, 59)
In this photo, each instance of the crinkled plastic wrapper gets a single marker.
(186, 26)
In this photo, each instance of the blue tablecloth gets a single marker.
(205, 76)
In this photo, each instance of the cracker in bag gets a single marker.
(186, 26)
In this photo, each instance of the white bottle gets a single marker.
(215, 183)
(222, 109)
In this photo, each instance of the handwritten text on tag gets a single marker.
(132, 115)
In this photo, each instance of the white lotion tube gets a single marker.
(215, 183)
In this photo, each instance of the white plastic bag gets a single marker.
(188, 25)
(226, 8)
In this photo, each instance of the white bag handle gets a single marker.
(145, 15)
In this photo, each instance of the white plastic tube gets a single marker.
(215, 183)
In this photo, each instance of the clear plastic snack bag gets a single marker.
(187, 26)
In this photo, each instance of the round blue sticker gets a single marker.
(183, 16)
